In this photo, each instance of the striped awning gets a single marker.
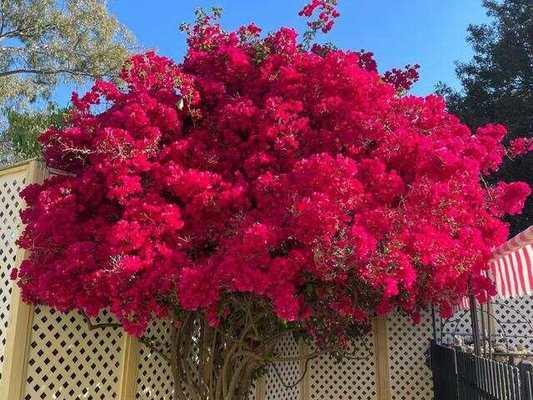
(511, 269)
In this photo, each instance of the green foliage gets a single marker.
(46, 43)
(25, 127)
(497, 84)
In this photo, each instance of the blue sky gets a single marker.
(428, 32)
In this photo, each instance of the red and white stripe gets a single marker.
(463, 305)
(521, 240)
(511, 268)
(512, 271)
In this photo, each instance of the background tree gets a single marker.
(497, 85)
(23, 128)
(46, 43)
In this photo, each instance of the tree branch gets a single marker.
(45, 72)
(99, 326)
(148, 342)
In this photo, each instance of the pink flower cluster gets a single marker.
(520, 146)
(402, 79)
(300, 178)
(327, 13)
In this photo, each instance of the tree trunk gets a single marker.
(216, 364)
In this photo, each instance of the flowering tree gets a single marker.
(256, 189)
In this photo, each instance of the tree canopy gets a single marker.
(497, 85)
(46, 43)
(24, 127)
(261, 186)
(260, 174)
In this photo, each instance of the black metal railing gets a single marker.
(463, 376)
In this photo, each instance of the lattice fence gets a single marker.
(326, 377)
(67, 360)
(408, 347)
(511, 324)
(10, 205)
(457, 326)
(282, 381)
(514, 322)
(348, 379)
(154, 381)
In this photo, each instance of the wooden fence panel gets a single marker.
(68, 360)
(16, 333)
(408, 347)
(10, 185)
(45, 354)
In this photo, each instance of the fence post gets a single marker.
(304, 351)
(260, 388)
(129, 368)
(381, 346)
(526, 380)
(20, 322)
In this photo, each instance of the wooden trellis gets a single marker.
(49, 355)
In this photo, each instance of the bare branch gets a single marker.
(99, 326)
(150, 343)
(45, 72)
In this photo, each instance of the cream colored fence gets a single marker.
(48, 355)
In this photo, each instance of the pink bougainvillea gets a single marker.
(257, 168)
(327, 13)
(520, 146)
